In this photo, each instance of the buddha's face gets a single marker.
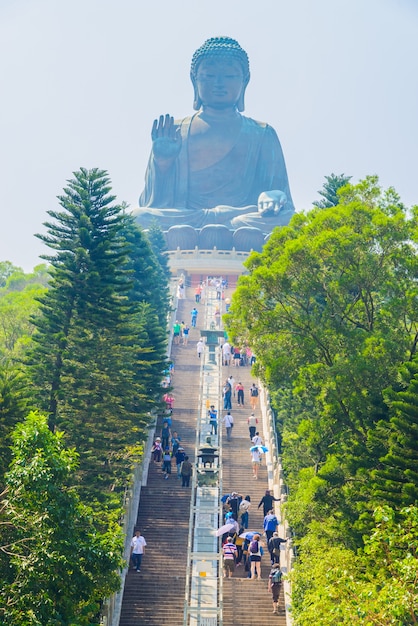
(220, 82)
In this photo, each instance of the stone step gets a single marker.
(156, 594)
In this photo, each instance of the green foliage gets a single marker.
(329, 192)
(329, 307)
(18, 303)
(375, 586)
(7, 269)
(58, 565)
(158, 244)
(396, 480)
(94, 367)
(13, 405)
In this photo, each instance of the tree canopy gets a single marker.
(96, 371)
(330, 190)
(57, 567)
(329, 308)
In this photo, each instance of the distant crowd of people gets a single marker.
(240, 546)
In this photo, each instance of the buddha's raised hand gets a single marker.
(166, 138)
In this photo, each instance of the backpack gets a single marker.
(254, 547)
(276, 576)
(186, 468)
(254, 392)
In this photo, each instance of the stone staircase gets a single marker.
(246, 602)
(156, 594)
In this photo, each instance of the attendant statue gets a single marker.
(211, 167)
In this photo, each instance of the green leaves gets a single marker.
(99, 349)
(59, 565)
(376, 585)
(329, 308)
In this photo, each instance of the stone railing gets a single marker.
(207, 261)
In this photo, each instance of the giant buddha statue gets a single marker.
(210, 168)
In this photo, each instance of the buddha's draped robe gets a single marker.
(221, 191)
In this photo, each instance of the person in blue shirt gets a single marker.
(213, 419)
(194, 314)
(270, 524)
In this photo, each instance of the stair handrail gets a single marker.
(197, 612)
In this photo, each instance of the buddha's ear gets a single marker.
(197, 102)
(240, 103)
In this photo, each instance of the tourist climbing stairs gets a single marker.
(156, 594)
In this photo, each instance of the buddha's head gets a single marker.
(220, 73)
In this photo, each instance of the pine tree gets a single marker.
(329, 192)
(86, 361)
(158, 244)
(13, 407)
(396, 481)
(150, 292)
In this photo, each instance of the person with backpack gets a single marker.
(274, 547)
(257, 440)
(186, 472)
(274, 586)
(253, 396)
(255, 552)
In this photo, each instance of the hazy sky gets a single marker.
(82, 80)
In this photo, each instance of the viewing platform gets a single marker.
(208, 262)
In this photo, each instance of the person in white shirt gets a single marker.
(256, 461)
(228, 420)
(226, 353)
(200, 346)
(231, 381)
(138, 544)
(257, 441)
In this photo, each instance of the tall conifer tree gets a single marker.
(89, 337)
(396, 481)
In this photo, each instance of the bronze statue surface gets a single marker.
(211, 167)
